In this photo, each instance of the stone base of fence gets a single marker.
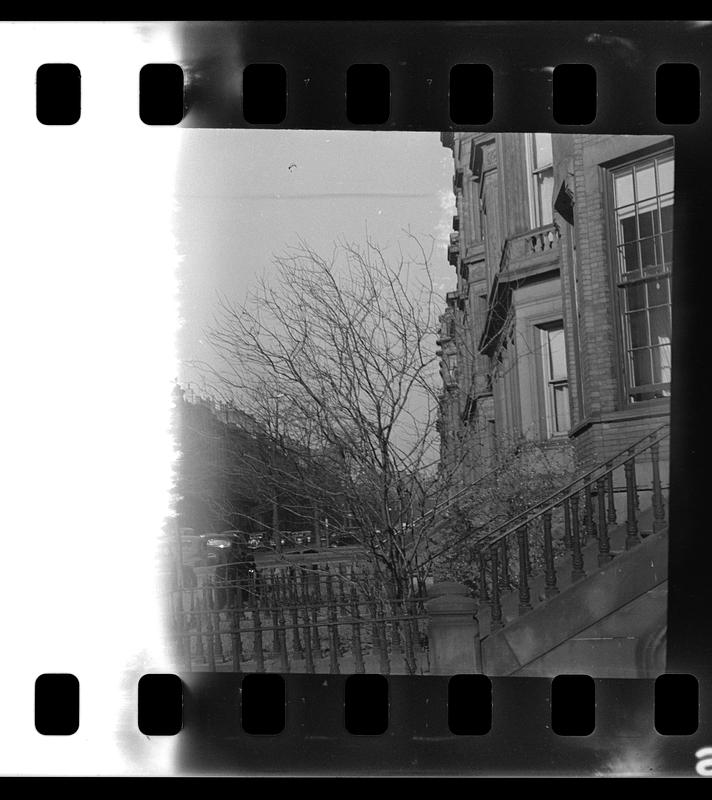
(453, 630)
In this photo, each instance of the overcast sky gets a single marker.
(243, 195)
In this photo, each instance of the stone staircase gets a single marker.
(610, 623)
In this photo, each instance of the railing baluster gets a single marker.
(506, 583)
(332, 628)
(356, 643)
(183, 632)
(197, 607)
(577, 570)
(209, 628)
(257, 645)
(484, 595)
(308, 654)
(384, 637)
(380, 636)
(524, 594)
(218, 635)
(290, 579)
(658, 505)
(637, 493)
(612, 518)
(375, 635)
(550, 587)
(236, 640)
(495, 606)
(238, 597)
(528, 556)
(317, 586)
(568, 541)
(188, 653)
(589, 520)
(342, 589)
(276, 604)
(411, 663)
(604, 544)
(282, 638)
(316, 603)
(632, 536)
(396, 641)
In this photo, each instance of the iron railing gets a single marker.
(299, 619)
(538, 541)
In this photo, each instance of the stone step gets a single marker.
(563, 567)
(608, 624)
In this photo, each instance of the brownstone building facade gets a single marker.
(558, 329)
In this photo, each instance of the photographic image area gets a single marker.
(422, 419)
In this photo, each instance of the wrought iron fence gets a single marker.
(317, 619)
(544, 545)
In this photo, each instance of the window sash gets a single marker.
(643, 233)
(540, 209)
(556, 388)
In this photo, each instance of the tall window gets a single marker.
(556, 382)
(541, 178)
(644, 208)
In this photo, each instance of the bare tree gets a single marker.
(335, 358)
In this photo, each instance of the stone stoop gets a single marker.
(599, 625)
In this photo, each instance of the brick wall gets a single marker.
(598, 367)
(606, 437)
(598, 349)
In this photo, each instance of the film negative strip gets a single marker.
(340, 370)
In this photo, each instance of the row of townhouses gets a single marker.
(559, 328)
(556, 342)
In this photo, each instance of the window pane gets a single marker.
(645, 182)
(642, 374)
(629, 255)
(628, 229)
(666, 216)
(624, 189)
(545, 187)
(667, 247)
(648, 253)
(561, 408)
(635, 296)
(629, 233)
(648, 222)
(542, 150)
(659, 255)
(638, 328)
(662, 371)
(666, 176)
(660, 325)
(557, 354)
(659, 292)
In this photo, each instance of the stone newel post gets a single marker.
(453, 631)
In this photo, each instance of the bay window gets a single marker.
(643, 207)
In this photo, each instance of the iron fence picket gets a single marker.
(291, 590)
(333, 631)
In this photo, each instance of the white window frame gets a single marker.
(624, 280)
(550, 383)
(535, 211)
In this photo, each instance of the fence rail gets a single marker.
(299, 620)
